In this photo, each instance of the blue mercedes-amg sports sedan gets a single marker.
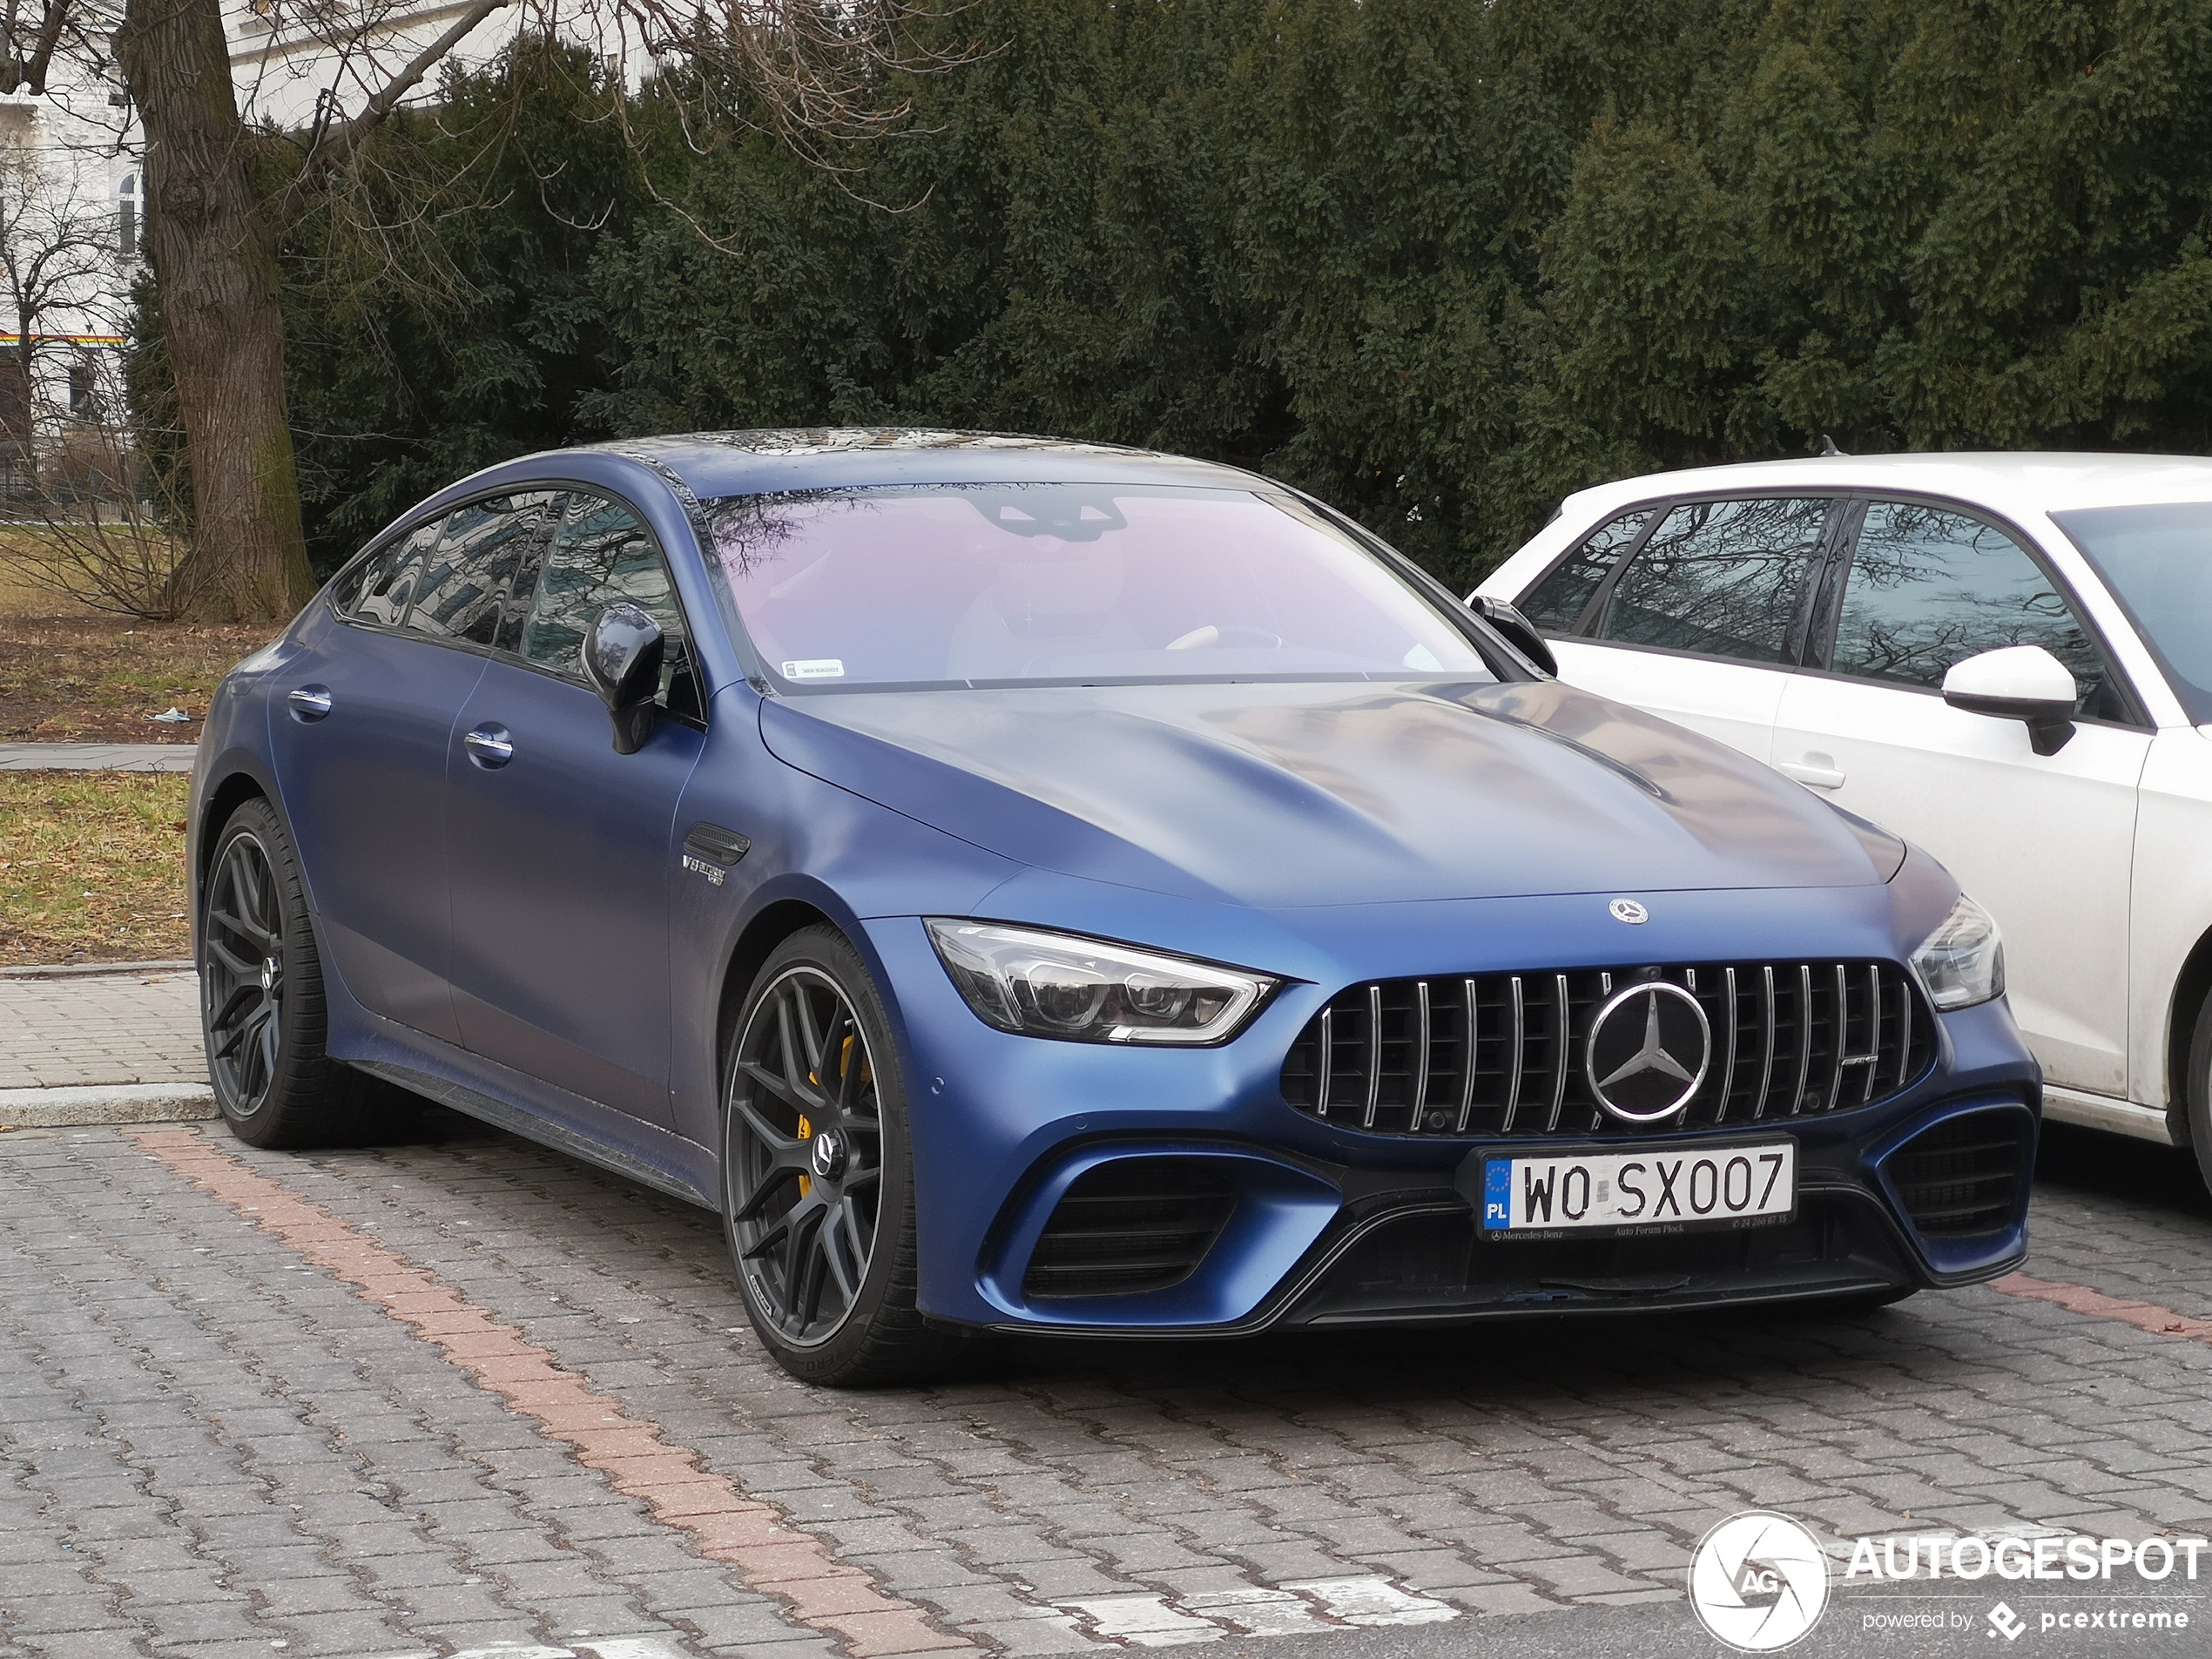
(1032, 885)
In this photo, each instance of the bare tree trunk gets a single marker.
(215, 264)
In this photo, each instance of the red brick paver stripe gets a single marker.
(724, 1524)
(2080, 1298)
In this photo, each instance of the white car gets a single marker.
(2007, 658)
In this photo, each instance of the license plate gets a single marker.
(1655, 1190)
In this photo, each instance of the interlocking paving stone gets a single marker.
(239, 1449)
(141, 1028)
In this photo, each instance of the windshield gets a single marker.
(2158, 562)
(999, 584)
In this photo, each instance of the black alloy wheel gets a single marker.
(818, 1200)
(242, 973)
(261, 998)
(2196, 1102)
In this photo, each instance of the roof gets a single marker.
(2029, 480)
(777, 459)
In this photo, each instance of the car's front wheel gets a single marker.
(2199, 1104)
(262, 995)
(818, 1171)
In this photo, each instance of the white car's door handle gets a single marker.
(1812, 777)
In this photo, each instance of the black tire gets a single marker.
(823, 1240)
(2198, 1104)
(261, 1007)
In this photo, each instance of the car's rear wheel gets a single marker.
(2199, 1104)
(818, 1171)
(262, 1012)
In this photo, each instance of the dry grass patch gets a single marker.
(91, 867)
(70, 679)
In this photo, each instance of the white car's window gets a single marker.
(1025, 584)
(1720, 578)
(1928, 588)
(1557, 604)
(2158, 562)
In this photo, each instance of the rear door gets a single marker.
(2045, 842)
(358, 736)
(1694, 609)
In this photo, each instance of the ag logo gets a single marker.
(1758, 1582)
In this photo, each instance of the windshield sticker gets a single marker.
(816, 668)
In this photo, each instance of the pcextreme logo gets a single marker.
(1758, 1582)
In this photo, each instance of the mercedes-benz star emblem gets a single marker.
(827, 1156)
(1628, 910)
(1649, 1046)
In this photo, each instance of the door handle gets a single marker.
(309, 702)
(491, 746)
(1812, 777)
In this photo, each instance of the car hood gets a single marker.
(1288, 795)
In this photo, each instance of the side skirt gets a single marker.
(2107, 1112)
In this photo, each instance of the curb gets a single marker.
(77, 1106)
(73, 970)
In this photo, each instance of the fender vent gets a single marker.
(1962, 1176)
(1133, 1225)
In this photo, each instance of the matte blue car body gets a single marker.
(1427, 829)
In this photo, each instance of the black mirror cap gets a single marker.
(1519, 632)
(2049, 722)
(622, 659)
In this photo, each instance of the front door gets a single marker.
(562, 850)
(2044, 842)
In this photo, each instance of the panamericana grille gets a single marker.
(1962, 1176)
(1133, 1225)
(1502, 1053)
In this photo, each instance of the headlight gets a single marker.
(1962, 962)
(1084, 990)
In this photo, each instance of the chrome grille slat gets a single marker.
(1505, 1053)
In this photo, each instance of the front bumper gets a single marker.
(1236, 1212)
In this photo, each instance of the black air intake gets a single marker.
(1135, 1224)
(1961, 1178)
(1502, 1054)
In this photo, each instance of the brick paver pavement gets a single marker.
(229, 1430)
(86, 1028)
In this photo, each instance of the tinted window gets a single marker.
(1719, 577)
(380, 588)
(1557, 604)
(1929, 588)
(477, 584)
(601, 554)
(2158, 562)
(1023, 584)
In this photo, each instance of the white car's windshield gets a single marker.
(2158, 560)
(1047, 583)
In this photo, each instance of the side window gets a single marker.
(1721, 579)
(478, 582)
(380, 589)
(601, 554)
(1928, 588)
(1557, 604)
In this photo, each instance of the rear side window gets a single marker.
(1557, 604)
(381, 587)
(1719, 578)
(1929, 588)
(478, 582)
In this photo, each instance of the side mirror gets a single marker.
(1519, 632)
(2018, 682)
(622, 659)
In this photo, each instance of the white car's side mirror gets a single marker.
(2018, 682)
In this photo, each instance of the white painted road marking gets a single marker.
(1148, 1621)
(1373, 1601)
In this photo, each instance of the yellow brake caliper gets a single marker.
(805, 1129)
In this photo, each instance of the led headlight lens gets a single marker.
(1084, 990)
(1962, 962)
